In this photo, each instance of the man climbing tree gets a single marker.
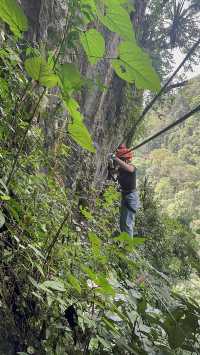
(127, 180)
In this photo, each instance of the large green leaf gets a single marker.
(110, 324)
(99, 279)
(105, 287)
(95, 243)
(124, 237)
(13, 15)
(141, 306)
(74, 282)
(70, 77)
(40, 70)
(91, 274)
(134, 65)
(77, 130)
(54, 285)
(93, 44)
(116, 19)
(176, 336)
(181, 326)
(88, 10)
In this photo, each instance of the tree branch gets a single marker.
(177, 85)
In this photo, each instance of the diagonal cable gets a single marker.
(162, 90)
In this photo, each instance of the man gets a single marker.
(127, 181)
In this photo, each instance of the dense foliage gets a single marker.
(70, 283)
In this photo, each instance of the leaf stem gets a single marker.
(56, 237)
(62, 42)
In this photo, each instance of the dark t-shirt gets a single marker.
(127, 180)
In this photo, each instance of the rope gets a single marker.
(180, 120)
(148, 107)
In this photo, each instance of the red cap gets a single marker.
(123, 152)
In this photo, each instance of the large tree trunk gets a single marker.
(109, 114)
(46, 19)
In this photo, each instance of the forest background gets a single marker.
(74, 78)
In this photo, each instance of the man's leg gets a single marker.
(127, 219)
(132, 202)
(123, 214)
(130, 223)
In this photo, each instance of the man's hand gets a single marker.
(111, 156)
(111, 161)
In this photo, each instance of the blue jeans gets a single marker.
(129, 205)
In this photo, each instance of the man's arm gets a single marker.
(128, 167)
